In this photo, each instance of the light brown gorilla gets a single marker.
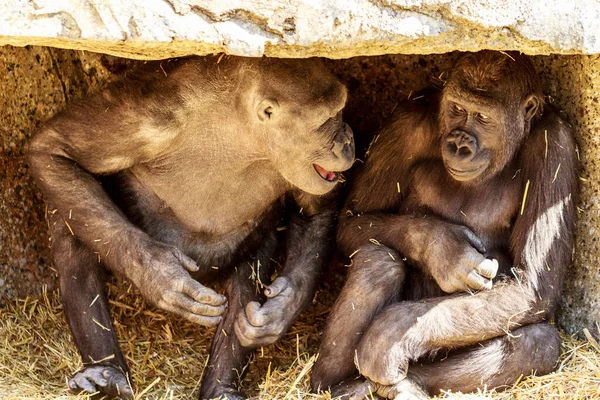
(180, 175)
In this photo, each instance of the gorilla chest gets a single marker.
(487, 209)
(214, 199)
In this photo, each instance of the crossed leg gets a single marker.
(496, 363)
(374, 281)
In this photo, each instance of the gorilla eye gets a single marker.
(458, 109)
(481, 117)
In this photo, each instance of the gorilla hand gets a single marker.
(455, 260)
(263, 325)
(165, 283)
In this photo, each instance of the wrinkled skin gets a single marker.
(455, 290)
(180, 175)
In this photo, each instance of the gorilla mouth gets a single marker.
(329, 176)
(463, 173)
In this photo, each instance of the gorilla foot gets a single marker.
(406, 389)
(222, 393)
(361, 388)
(355, 389)
(102, 379)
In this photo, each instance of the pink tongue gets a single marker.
(328, 175)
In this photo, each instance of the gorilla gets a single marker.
(185, 173)
(460, 228)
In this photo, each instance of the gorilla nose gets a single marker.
(462, 144)
(343, 143)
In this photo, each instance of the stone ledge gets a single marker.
(303, 28)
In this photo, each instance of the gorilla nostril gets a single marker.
(452, 147)
(464, 151)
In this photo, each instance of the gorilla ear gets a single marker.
(266, 109)
(532, 106)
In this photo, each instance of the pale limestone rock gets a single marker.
(302, 28)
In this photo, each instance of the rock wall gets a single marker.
(301, 28)
(574, 84)
(37, 82)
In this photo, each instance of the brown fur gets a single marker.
(180, 174)
(419, 304)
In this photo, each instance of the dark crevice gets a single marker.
(58, 75)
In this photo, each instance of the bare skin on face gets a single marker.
(460, 230)
(180, 175)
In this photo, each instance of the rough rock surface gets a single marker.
(37, 82)
(302, 28)
(574, 84)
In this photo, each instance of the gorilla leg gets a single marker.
(374, 281)
(532, 349)
(227, 356)
(86, 310)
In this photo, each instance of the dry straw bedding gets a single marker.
(167, 355)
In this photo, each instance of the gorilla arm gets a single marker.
(102, 135)
(542, 244)
(450, 253)
(309, 244)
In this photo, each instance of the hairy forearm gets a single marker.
(482, 316)
(410, 235)
(78, 201)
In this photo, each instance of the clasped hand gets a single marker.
(261, 325)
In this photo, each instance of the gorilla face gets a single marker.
(474, 143)
(309, 144)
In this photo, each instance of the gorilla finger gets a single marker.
(478, 282)
(267, 341)
(239, 333)
(96, 377)
(256, 314)
(118, 385)
(254, 333)
(252, 341)
(366, 390)
(245, 328)
(262, 342)
(279, 285)
(386, 391)
(187, 262)
(201, 320)
(407, 389)
(185, 303)
(488, 268)
(474, 240)
(197, 319)
(202, 294)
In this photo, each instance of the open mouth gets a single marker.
(329, 176)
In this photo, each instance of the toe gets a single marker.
(79, 383)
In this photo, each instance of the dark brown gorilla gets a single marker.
(180, 174)
(460, 227)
